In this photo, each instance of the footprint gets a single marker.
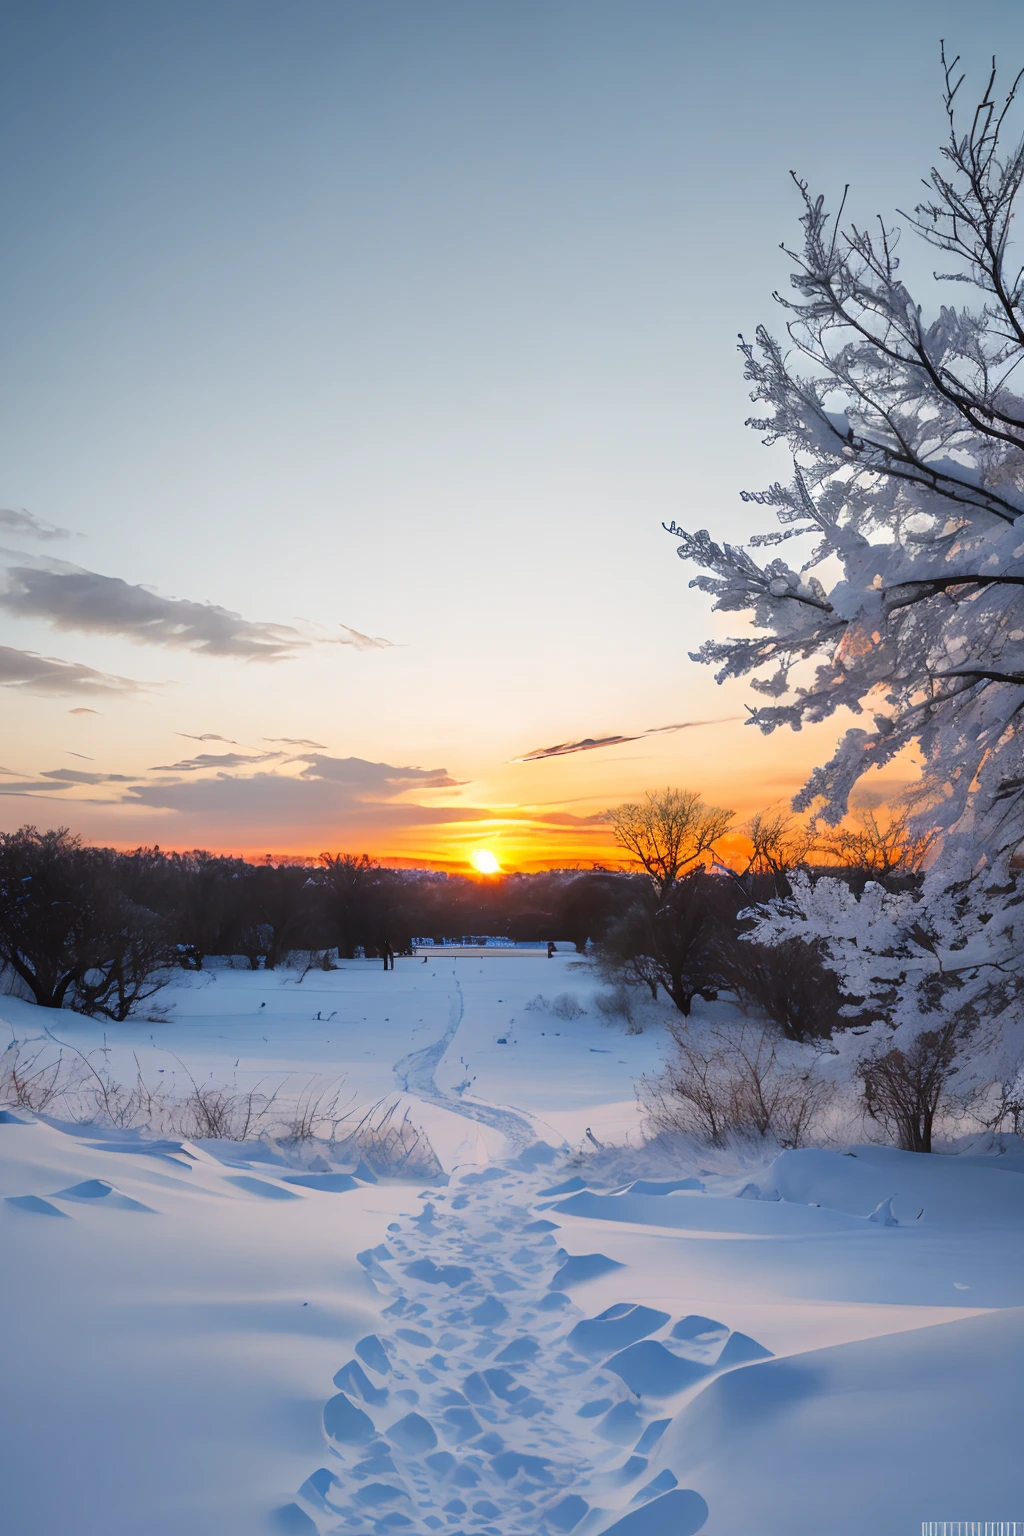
(352, 1378)
(651, 1370)
(371, 1351)
(413, 1435)
(678, 1513)
(434, 1274)
(568, 1513)
(538, 1417)
(614, 1329)
(579, 1268)
(345, 1423)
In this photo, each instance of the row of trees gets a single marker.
(100, 930)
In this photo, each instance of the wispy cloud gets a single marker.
(64, 776)
(82, 710)
(33, 788)
(293, 741)
(592, 743)
(28, 672)
(17, 520)
(69, 598)
(208, 736)
(363, 642)
(220, 760)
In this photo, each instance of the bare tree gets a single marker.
(668, 832)
(884, 845)
(674, 942)
(905, 1089)
(778, 844)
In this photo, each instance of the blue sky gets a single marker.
(419, 319)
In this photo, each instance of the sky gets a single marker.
(354, 355)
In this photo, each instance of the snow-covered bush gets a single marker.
(934, 972)
(723, 1082)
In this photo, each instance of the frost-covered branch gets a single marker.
(906, 431)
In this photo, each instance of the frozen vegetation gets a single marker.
(514, 1314)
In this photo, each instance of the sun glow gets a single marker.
(484, 862)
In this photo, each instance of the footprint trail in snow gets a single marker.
(415, 1074)
(493, 1403)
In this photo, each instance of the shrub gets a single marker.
(618, 1002)
(788, 983)
(732, 1082)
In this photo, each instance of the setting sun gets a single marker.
(484, 862)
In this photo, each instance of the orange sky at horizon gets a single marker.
(560, 825)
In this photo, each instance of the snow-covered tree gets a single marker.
(906, 429)
(936, 977)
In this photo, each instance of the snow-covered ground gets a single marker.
(210, 1338)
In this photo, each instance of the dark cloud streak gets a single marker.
(220, 760)
(363, 642)
(591, 743)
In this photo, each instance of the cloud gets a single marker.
(212, 760)
(377, 778)
(290, 741)
(82, 710)
(17, 520)
(28, 672)
(363, 642)
(31, 788)
(330, 797)
(88, 759)
(591, 743)
(209, 736)
(67, 597)
(80, 776)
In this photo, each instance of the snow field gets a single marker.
(229, 1339)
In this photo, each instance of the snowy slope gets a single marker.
(817, 1341)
